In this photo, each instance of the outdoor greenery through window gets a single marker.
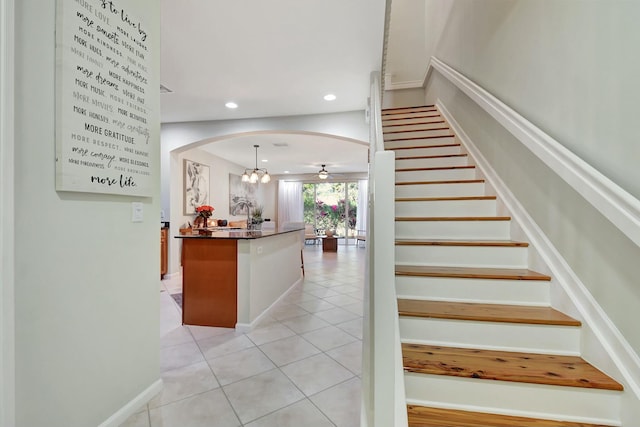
(332, 206)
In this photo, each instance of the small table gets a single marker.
(329, 244)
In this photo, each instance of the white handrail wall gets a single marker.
(616, 204)
(383, 381)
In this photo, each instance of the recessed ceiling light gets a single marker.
(329, 97)
(265, 160)
(231, 105)
(287, 172)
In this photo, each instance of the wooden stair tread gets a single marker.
(502, 313)
(414, 124)
(417, 130)
(440, 199)
(452, 181)
(412, 138)
(426, 116)
(438, 156)
(570, 371)
(454, 218)
(443, 242)
(438, 168)
(471, 273)
(423, 146)
(421, 416)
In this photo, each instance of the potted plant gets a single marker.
(256, 218)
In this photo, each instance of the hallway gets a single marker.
(301, 365)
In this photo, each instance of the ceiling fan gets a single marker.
(324, 173)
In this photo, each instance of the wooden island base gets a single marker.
(230, 279)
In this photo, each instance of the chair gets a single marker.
(361, 236)
(310, 234)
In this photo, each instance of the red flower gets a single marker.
(205, 210)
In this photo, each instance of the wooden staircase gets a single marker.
(481, 345)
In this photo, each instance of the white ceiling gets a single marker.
(273, 58)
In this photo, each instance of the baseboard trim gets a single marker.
(594, 317)
(171, 275)
(613, 202)
(133, 405)
(247, 327)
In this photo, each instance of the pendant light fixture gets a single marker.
(323, 174)
(256, 174)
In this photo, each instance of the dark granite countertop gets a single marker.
(236, 233)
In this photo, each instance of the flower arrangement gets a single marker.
(256, 215)
(205, 211)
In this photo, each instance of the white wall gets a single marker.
(219, 170)
(566, 67)
(7, 283)
(86, 277)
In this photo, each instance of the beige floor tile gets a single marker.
(262, 394)
(178, 356)
(184, 382)
(352, 327)
(203, 332)
(316, 306)
(286, 311)
(341, 403)
(305, 323)
(349, 356)
(316, 373)
(288, 350)
(178, 335)
(342, 300)
(336, 315)
(203, 410)
(222, 345)
(328, 338)
(270, 333)
(240, 365)
(303, 413)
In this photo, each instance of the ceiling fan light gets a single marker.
(323, 174)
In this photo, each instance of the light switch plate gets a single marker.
(137, 212)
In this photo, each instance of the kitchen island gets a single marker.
(230, 278)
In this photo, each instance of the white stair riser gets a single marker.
(430, 151)
(428, 133)
(462, 256)
(446, 208)
(532, 292)
(519, 399)
(408, 114)
(436, 175)
(420, 124)
(466, 189)
(421, 142)
(495, 230)
(432, 162)
(491, 335)
(433, 117)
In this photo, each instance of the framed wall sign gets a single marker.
(196, 186)
(103, 99)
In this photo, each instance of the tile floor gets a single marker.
(300, 366)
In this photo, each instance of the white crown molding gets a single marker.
(612, 340)
(616, 204)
